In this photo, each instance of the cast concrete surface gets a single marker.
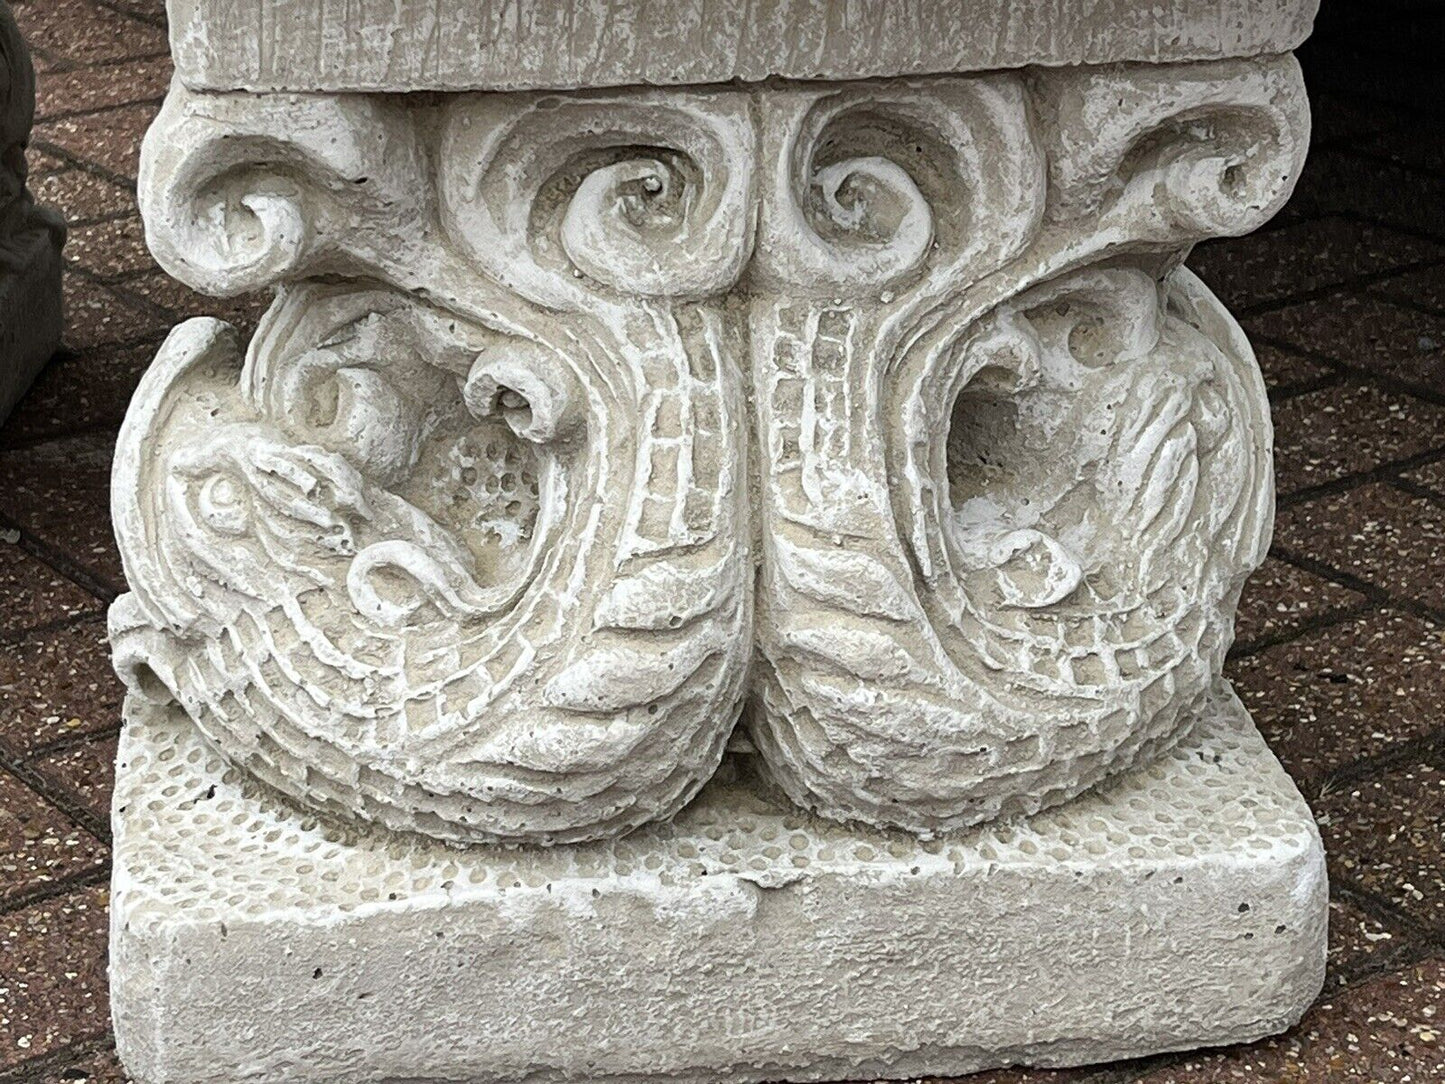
(1340, 656)
(1182, 904)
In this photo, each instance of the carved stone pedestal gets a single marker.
(861, 447)
(30, 236)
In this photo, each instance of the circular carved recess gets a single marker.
(1081, 482)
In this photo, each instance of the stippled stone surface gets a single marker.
(1184, 905)
(96, 52)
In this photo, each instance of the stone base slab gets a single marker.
(30, 313)
(1183, 906)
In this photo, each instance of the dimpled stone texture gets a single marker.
(1188, 899)
(872, 703)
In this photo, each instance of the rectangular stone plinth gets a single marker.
(404, 45)
(1183, 906)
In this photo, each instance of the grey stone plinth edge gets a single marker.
(30, 236)
(1184, 905)
(407, 45)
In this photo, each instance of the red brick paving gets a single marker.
(1341, 654)
(1381, 1030)
(53, 990)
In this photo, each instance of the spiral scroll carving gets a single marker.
(241, 192)
(647, 194)
(864, 186)
(468, 543)
(1046, 593)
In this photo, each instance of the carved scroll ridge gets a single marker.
(467, 544)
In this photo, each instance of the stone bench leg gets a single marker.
(883, 414)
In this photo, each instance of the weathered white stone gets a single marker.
(871, 429)
(463, 545)
(404, 45)
(1184, 905)
(30, 236)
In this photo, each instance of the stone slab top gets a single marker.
(458, 45)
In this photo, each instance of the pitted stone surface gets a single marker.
(1183, 905)
(630, 475)
(895, 389)
(367, 45)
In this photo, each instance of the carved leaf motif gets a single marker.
(618, 678)
(843, 577)
(866, 653)
(663, 596)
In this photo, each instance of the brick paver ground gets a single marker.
(1341, 653)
